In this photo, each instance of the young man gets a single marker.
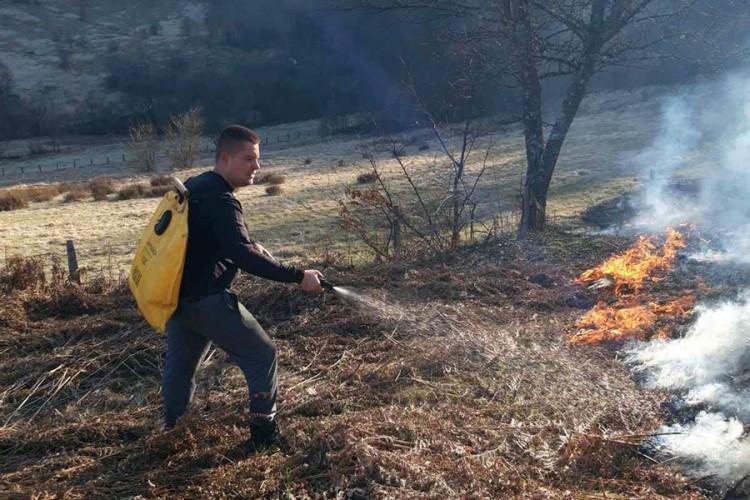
(219, 245)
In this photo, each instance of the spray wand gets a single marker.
(326, 285)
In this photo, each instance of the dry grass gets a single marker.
(456, 382)
(75, 195)
(161, 180)
(131, 191)
(101, 187)
(274, 190)
(12, 200)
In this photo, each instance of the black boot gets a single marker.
(264, 435)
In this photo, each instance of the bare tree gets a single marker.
(142, 146)
(550, 38)
(184, 136)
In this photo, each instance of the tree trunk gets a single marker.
(534, 196)
(541, 166)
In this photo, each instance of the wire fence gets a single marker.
(116, 161)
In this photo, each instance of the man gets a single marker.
(219, 245)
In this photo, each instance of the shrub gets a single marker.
(41, 193)
(308, 161)
(74, 195)
(274, 190)
(184, 137)
(276, 179)
(367, 178)
(156, 191)
(21, 273)
(142, 146)
(270, 179)
(101, 187)
(131, 191)
(161, 180)
(12, 200)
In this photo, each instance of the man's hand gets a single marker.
(259, 248)
(311, 281)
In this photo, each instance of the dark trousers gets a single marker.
(219, 318)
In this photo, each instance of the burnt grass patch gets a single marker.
(451, 382)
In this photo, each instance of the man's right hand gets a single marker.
(311, 281)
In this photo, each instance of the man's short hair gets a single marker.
(232, 138)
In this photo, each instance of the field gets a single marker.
(452, 379)
(598, 163)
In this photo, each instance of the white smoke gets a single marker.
(698, 171)
(710, 367)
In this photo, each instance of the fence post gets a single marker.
(74, 163)
(57, 165)
(40, 167)
(123, 157)
(73, 270)
(91, 162)
(3, 171)
(107, 160)
(21, 169)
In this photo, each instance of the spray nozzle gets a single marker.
(327, 285)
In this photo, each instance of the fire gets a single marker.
(636, 313)
(638, 264)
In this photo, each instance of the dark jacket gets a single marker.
(218, 242)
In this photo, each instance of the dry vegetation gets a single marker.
(454, 382)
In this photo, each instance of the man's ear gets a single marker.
(223, 157)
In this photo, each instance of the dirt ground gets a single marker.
(453, 380)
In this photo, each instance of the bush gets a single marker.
(12, 200)
(308, 161)
(101, 187)
(184, 138)
(21, 273)
(274, 190)
(367, 178)
(276, 179)
(156, 191)
(161, 180)
(74, 195)
(131, 191)
(142, 146)
(40, 193)
(270, 179)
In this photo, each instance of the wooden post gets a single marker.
(396, 228)
(107, 160)
(91, 162)
(75, 162)
(123, 157)
(40, 167)
(73, 270)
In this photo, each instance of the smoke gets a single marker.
(697, 171)
(698, 168)
(709, 368)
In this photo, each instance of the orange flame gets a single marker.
(638, 264)
(635, 315)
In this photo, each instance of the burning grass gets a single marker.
(632, 308)
(454, 383)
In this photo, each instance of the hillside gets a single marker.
(57, 49)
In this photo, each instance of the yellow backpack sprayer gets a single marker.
(156, 273)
